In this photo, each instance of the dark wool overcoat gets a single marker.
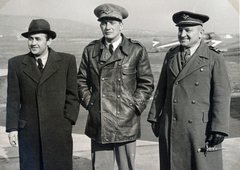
(191, 103)
(41, 108)
(116, 91)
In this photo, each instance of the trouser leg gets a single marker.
(102, 156)
(125, 155)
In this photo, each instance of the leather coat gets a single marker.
(114, 92)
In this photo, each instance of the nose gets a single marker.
(33, 42)
(182, 33)
(108, 25)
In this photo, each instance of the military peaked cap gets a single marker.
(110, 11)
(189, 18)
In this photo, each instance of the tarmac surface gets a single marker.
(146, 154)
(147, 157)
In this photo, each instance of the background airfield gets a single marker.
(73, 36)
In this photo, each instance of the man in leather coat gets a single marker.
(115, 83)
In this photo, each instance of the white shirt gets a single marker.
(115, 44)
(43, 58)
(194, 48)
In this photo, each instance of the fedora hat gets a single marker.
(39, 26)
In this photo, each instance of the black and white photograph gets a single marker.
(119, 85)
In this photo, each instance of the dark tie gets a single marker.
(110, 48)
(40, 65)
(186, 56)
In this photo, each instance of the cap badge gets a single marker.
(107, 11)
(184, 16)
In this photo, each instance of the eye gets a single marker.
(103, 23)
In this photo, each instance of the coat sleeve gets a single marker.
(13, 99)
(221, 96)
(145, 82)
(159, 96)
(83, 80)
(72, 101)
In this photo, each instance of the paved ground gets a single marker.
(146, 158)
(147, 148)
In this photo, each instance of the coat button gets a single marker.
(197, 83)
(177, 83)
(175, 101)
(103, 95)
(103, 79)
(118, 96)
(119, 79)
(201, 69)
(193, 102)
(190, 121)
(174, 119)
(91, 103)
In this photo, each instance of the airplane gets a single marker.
(223, 44)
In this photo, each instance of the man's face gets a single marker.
(38, 44)
(111, 29)
(188, 36)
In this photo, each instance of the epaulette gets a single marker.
(173, 48)
(93, 42)
(214, 49)
(135, 42)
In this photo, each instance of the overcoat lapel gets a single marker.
(174, 64)
(197, 61)
(51, 66)
(31, 68)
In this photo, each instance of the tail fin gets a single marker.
(156, 42)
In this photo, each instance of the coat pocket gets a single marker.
(205, 116)
(21, 123)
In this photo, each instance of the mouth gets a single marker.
(34, 48)
(183, 39)
(108, 33)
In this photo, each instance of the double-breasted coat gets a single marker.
(43, 109)
(189, 104)
(116, 91)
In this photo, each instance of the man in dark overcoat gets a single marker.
(42, 102)
(191, 106)
(115, 84)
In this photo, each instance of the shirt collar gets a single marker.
(115, 44)
(43, 58)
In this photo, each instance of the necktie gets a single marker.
(186, 56)
(110, 48)
(40, 65)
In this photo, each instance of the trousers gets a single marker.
(103, 155)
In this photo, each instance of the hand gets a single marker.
(13, 138)
(155, 128)
(215, 138)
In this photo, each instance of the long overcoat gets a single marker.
(191, 103)
(115, 92)
(41, 108)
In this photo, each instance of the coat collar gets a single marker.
(32, 70)
(124, 46)
(198, 60)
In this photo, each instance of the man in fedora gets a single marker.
(115, 84)
(191, 107)
(42, 102)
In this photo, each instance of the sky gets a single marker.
(152, 15)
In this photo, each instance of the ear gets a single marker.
(201, 32)
(49, 41)
(121, 26)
